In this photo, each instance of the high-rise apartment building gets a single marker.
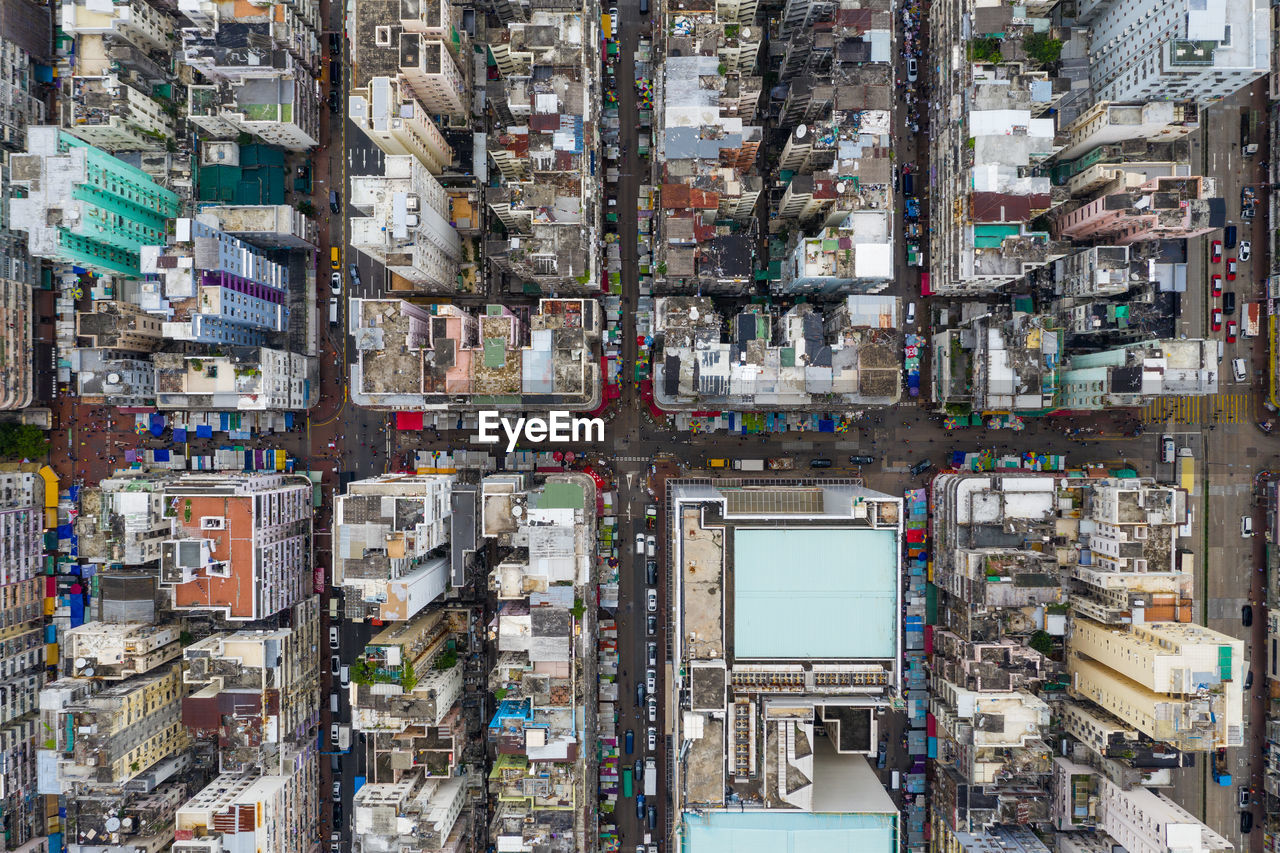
(1175, 682)
(241, 544)
(85, 207)
(1174, 49)
(398, 123)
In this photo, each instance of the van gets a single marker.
(335, 201)
(717, 463)
(897, 780)
(1246, 526)
(1239, 370)
(333, 310)
(1167, 449)
(652, 820)
(345, 677)
(644, 7)
(333, 607)
(819, 463)
(333, 703)
(908, 184)
(1229, 237)
(1229, 302)
(911, 314)
(640, 694)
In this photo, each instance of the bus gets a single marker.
(626, 783)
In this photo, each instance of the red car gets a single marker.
(1232, 329)
(1215, 322)
(1216, 251)
(1215, 281)
(1231, 269)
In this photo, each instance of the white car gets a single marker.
(651, 681)
(333, 637)
(913, 70)
(640, 544)
(653, 710)
(651, 546)
(652, 649)
(335, 284)
(652, 739)
(651, 600)
(333, 734)
(1246, 248)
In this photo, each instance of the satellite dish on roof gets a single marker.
(841, 186)
(112, 824)
(517, 511)
(88, 673)
(746, 32)
(80, 662)
(801, 130)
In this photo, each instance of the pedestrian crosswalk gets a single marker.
(1224, 408)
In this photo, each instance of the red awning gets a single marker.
(409, 420)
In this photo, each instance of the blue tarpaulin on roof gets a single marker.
(204, 431)
(288, 420)
(179, 434)
(74, 493)
(162, 456)
(157, 423)
(64, 531)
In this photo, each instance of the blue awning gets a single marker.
(179, 434)
(162, 455)
(157, 424)
(204, 431)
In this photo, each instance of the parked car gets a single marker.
(1229, 303)
(651, 680)
(1246, 822)
(652, 654)
(629, 742)
(335, 665)
(920, 467)
(1232, 266)
(913, 70)
(333, 734)
(653, 710)
(354, 273)
(333, 637)
(1215, 251)
(1215, 284)
(640, 544)
(862, 460)
(652, 624)
(820, 463)
(651, 572)
(651, 600)
(1246, 526)
(652, 739)
(1246, 248)
(911, 313)
(1248, 679)
(1232, 329)
(651, 546)
(335, 201)
(337, 790)
(335, 283)
(1215, 320)
(1246, 616)
(1229, 236)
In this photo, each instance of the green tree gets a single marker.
(1042, 48)
(23, 441)
(985, 50)
(306, 208)
(1041, 642)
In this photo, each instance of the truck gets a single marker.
(344, 738)
(1220, 774)
(748, 464)
(781, 463)
(650, 777)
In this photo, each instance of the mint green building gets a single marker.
(85, 207)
